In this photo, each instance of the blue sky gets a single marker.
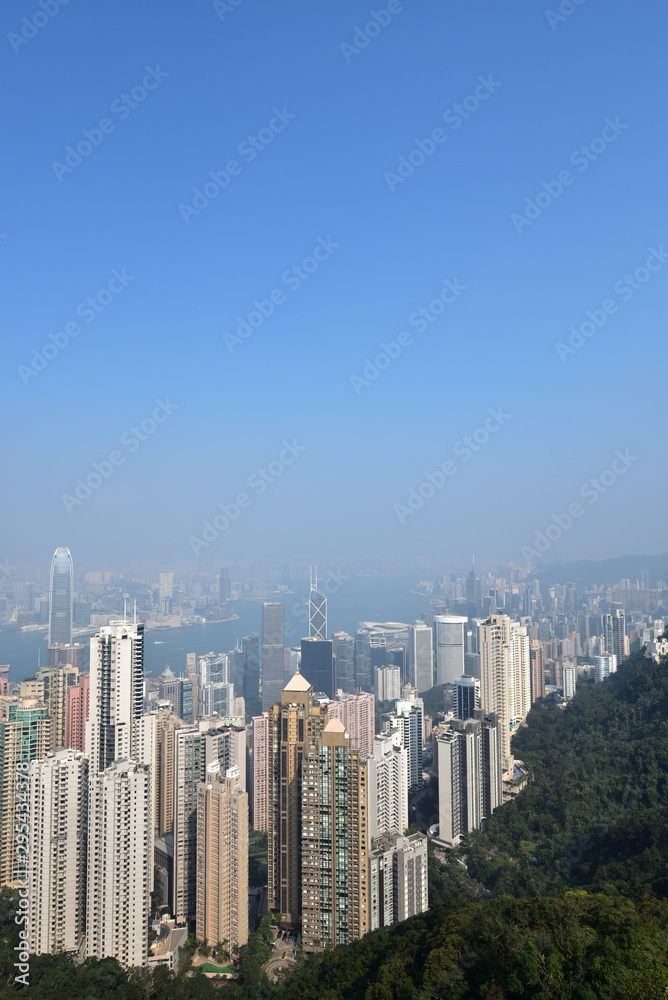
(345, 118)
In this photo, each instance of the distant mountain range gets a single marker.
(588, 571)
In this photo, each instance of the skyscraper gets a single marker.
(537, 656)
(76, 716)
(421, 657)
(248, 684)
(363, 659)
(58, 821)
(505, 674)
(450, 645)
(317, 664)
(398, 881)
(388, 785)
(295, 723)
(60, 597)
(469, 776)
(614, 633)
(57, 683)
(333, 874)
(225, 585)
(120, 864)
(317, 611)
(569, 679)
(344, 662)
(273, 644)
(357, 713)
(195, 748)
(260, 770)
(116, 693)
(222, 858)
(467, 697)
(25, 735)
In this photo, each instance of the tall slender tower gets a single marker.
(120, 864)
(421, 657)
(294, 725)
(273, 645)
(60, 597)
(334, 841)
(58, 797)
(222, 858)
(450, 646)
(317, 611)
(116, 693)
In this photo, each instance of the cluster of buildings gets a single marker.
(141, 793)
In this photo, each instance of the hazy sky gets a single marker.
(318, 120)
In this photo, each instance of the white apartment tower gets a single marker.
(505, 675)
(116, 693)
(387, 778)
(120, 864)
(58, 817)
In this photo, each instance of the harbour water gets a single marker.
(351, 600)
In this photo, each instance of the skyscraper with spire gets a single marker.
(60, 597)
(317, 610)
(473, 593)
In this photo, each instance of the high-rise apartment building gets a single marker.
(120, 864)
(116, 693)
(604, 667)
(450, 647)
(167, 725)
(25, 735)
(247, 675)
(505, 672)
(421, 657)
(398, 881)
(195, 748)
(537, 655)
(387, 683)
(333, 874)
(467, 697)
(569, 679)
(76, 714)
(469, 776)
(357, 713)
(57, 839)
(63, 652)
(614, 633)
(60, 597)
(56, 683)
(260, 771)
(222, 858)
(295, 724)
(273, 644)
(409, 720)
(387, 769)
